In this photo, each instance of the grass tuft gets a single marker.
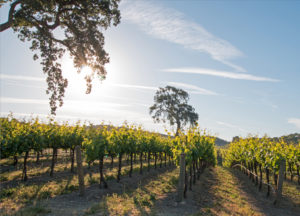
(33, 211)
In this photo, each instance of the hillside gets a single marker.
(221, 142)
(291, 138)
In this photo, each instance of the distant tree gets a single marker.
(170, 104)
(235, 139)
(56, 26)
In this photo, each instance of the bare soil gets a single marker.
(220, 191)
(223, 191)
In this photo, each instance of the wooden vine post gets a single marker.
(181, 181)
(280, 182)
(80, 171)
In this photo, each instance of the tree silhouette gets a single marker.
(56, 26)
(170, 104)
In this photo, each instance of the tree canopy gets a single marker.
(56, 26)
(171, 104)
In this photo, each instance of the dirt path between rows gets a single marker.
(72, 204)
(220, 191)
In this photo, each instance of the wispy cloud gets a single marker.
(171, 25)
(195, 89)
(44, 117)
(67, 103)
(224, 74)
(15, 83)
(294, 121)
(22, 78)
(30, 78)
(135, 86)
(22, 101)
(231, 126)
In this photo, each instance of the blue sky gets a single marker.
(239, 61)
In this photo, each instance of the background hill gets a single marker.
(291, 138)
(221, 142)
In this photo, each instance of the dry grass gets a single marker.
(291, 191)
(33, 211)
(222, 196)
(18, 194)
(139, 201)
(218, 192)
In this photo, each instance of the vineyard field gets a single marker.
(129, 171)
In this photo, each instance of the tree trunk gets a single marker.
(155, 159)
(120, 167)
(102, 180)
(89, 169)
(256, 177)
(80, 171)
(131, 161)
(298, 174)
(279, 183)
(178, 128)
(198, 171)
(134, 157)
(165, 159)
(185, 182)
(54, 155)
(249, 171)
(285, 175)
(141, 163)
(181, 180)
(194, 172)
(72, 160)
(161, 159)
(252, 170)
(15, 161)
(37, 157)
(275, 178)
(202, 167)
(127, 159)
(191, 177)
(243, 169)
(268, 181)
(25, 167)
(260, 178)
(149, 161)
(291, 171)
(112, 161)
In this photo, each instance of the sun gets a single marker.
(77, 82)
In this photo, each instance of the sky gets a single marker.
(238, 60)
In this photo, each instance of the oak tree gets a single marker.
(171, 104)
(56, 26)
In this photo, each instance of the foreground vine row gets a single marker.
(264, 155)
(19, 138)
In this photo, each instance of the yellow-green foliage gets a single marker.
(196, 145)
(263, 151)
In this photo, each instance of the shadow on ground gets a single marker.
(258, 199)
(72, 204)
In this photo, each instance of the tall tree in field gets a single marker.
(56, 26)
(171, 104)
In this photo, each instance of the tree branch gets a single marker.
(7, 24)
(57, 18)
